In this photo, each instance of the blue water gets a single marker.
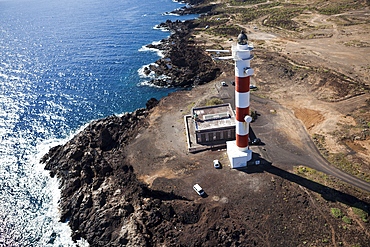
(63, 63)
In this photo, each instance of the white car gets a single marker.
(198, 189)
(216, 164)
(223, 83)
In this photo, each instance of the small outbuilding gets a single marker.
(214, 124)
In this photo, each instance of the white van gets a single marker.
(198, 189)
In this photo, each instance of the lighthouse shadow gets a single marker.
(329, 194)
(253, 137)
(255, 165)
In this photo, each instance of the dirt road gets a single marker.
(286, 142)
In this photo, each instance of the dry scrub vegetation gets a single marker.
(312, 57)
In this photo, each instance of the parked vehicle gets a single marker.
(216, 164)
(252, 87)
(232, 83)
(198, 189)
(223, 83)
(256, 141)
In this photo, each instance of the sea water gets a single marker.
(64, 63)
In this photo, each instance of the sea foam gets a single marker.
(160, 53)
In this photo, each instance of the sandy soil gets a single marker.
(315, 86)
(343, 51)
(263, 206)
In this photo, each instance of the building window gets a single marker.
(218, 135)
(203, 138)
(226, 135)
(210, 137)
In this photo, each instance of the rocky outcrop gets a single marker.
(101, 198)
(104, 203)
(184, 64)
(197, 8)
(99, 191)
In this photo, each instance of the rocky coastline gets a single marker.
(183, 64)
(104, 202)
(98, 189)
(126, 181)
(101, 199)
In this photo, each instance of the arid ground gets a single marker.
(313, 87)
(127, 181)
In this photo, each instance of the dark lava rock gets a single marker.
(97, 188)
(101, 198)
(184, 64)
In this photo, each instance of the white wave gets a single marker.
(145, 48)
(4, 76)
(164, 29)
(6, 65)
(13, 78)
(160, 28)
(182, 2)
(60, 232)
(160, 53)
(170, 13)
(156, 42)
(17, 71)
(148, 84)
(150, 75)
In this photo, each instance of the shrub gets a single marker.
(225, 30)
(357, 209)
(347, 220)
(252, 114)
(337, 213)
(214, 101)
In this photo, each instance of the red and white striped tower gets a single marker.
(242, 57)
(238, 151)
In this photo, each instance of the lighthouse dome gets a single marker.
(242, 38)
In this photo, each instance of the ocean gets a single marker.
(64, 63)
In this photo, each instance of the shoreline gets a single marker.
(126, 182)
(78, 183)
(182, 65)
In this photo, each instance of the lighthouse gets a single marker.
(238, 150)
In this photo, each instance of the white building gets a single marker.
(214, 124)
